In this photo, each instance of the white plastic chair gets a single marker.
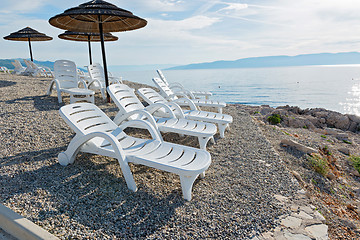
(19, 68)
(222, 120)
(130, 108)
(97, 81)
(66, 81)
(97, 134)
(178, 87)
(167, 93)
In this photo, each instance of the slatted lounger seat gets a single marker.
(168, 94)
(222, 120)
(131, 108)
(178, 87)
(97, 134)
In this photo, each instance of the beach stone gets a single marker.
(342, 136)
(354, 172)
(266, 110)
(291, 222)
(303, 215)
(321, 131)
(281, 199)
(353, 118)
(319, 216)
(298, 146)
(331, 131)
(307, 209)
(319, 231)
(291, 236)
(298, 177)
(338, 120)
(344, 150)
(353, 127)
(331, 176)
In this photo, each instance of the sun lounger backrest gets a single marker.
(162, 77)
(164, 89)
(65, 73)
(124, 98)
(151, 96)
(96, 72)
(85, 118)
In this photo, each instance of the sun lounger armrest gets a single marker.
(120, 117)
(176, 109)
(83, 82)
(188, 101)
(156, 106)
(93, 81)
(155, 134)
(77, 142)
(115, 80)
(184, 93)
(176, 85)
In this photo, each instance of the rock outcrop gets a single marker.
(315, 118)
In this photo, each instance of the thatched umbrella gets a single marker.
(28, 34)
(87, 37)
(100, 17)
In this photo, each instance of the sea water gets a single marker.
(332, 87)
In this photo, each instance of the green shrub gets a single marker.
(356, 162)
(274, 119)
(347, 142)
(323, 136)
(319, 164)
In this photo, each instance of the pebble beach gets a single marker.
(89, 199)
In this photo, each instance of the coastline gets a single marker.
(90, 199)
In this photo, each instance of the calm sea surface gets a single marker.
(332, 87)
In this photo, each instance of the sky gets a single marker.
(191, 31)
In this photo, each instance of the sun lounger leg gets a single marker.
(219, 110)
(202, 175)
(129, 179)
(50, 88)
(59, 96)
(222, 128)
(212, 139)
(203, 142)
(103, 94)
(186, 185)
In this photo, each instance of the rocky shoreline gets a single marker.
(257, 181)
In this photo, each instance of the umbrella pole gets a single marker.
(31, 57)
(104, 58)
(89, 44)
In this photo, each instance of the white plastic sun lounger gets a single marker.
(33, 70)
(178, 87)
(97, 134)
(97, 79)
(19, 68)
(130, 108)
(4, 70)
(222, 120)
(168, 94)
(66, 81)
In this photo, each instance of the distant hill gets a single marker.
(7, 63)
(120, 68)
(279, 61)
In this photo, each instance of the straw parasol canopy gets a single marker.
(28, 34)
(87, 37)
(100, 17)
